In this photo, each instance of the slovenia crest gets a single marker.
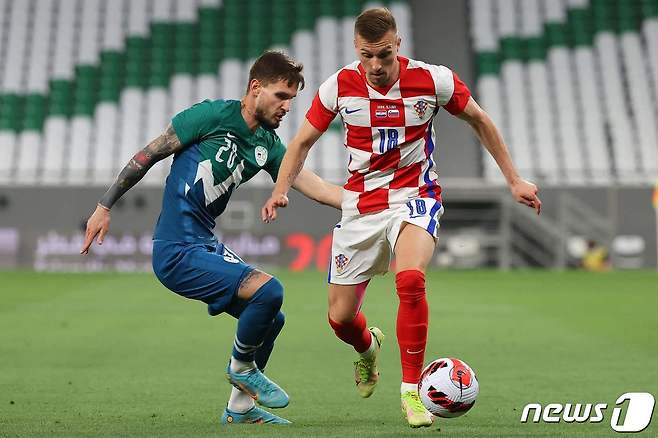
(260, 153)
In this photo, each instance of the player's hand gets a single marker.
(97, 225)
(525, 192)
(268, 212)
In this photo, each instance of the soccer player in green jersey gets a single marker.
(218, 146)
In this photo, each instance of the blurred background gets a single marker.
(572, 84)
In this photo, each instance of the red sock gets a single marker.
(411, 323)
(354, 332)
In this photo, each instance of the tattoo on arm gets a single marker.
(295, 172)
(163, 146)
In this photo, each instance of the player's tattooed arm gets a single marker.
(98, 223)
(294, 172)
(291, 165)
(163, 146)
(293, 160)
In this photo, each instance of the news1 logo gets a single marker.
(638, 412)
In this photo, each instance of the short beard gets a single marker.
(381, 79)
(259, 114)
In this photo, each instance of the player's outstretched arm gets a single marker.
(314, 187)
(99, 222)
(523, 191)
(291, 166)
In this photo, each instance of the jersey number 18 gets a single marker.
(388, 139)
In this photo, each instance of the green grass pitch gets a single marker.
(119, 355)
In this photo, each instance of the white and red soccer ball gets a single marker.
(448, 387)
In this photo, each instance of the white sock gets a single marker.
(371, 350)
(238, 366)
(240, 402)
(404, 387)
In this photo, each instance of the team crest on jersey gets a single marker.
(341, 262)
(420, 107)
(261, 155)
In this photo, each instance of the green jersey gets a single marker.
(220, 154)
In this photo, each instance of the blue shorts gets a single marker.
(211, 273)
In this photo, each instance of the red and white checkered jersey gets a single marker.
(388, 131)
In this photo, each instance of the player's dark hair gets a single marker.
(374, 23)
(273, 66)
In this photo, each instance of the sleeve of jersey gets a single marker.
(324, 107)
(459, 98)
(274, 163)
(193, 123)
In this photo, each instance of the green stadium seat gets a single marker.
(34, 112)
(580, 24)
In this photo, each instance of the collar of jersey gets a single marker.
(242, 124)
(384, 90)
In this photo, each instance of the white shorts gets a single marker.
(363, 245)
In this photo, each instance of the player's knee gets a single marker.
(410, 285)
(340, 316)
(271, 294)
(341, 311)
(335, 325)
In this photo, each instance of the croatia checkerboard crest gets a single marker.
(420, 107)
(341, 262)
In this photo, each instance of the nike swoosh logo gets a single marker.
(414, 352)
(352, 111)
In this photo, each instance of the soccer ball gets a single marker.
(448, 387)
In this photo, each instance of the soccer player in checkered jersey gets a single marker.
(392, 200)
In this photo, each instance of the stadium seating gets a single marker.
(573, 84)
(83, 85)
